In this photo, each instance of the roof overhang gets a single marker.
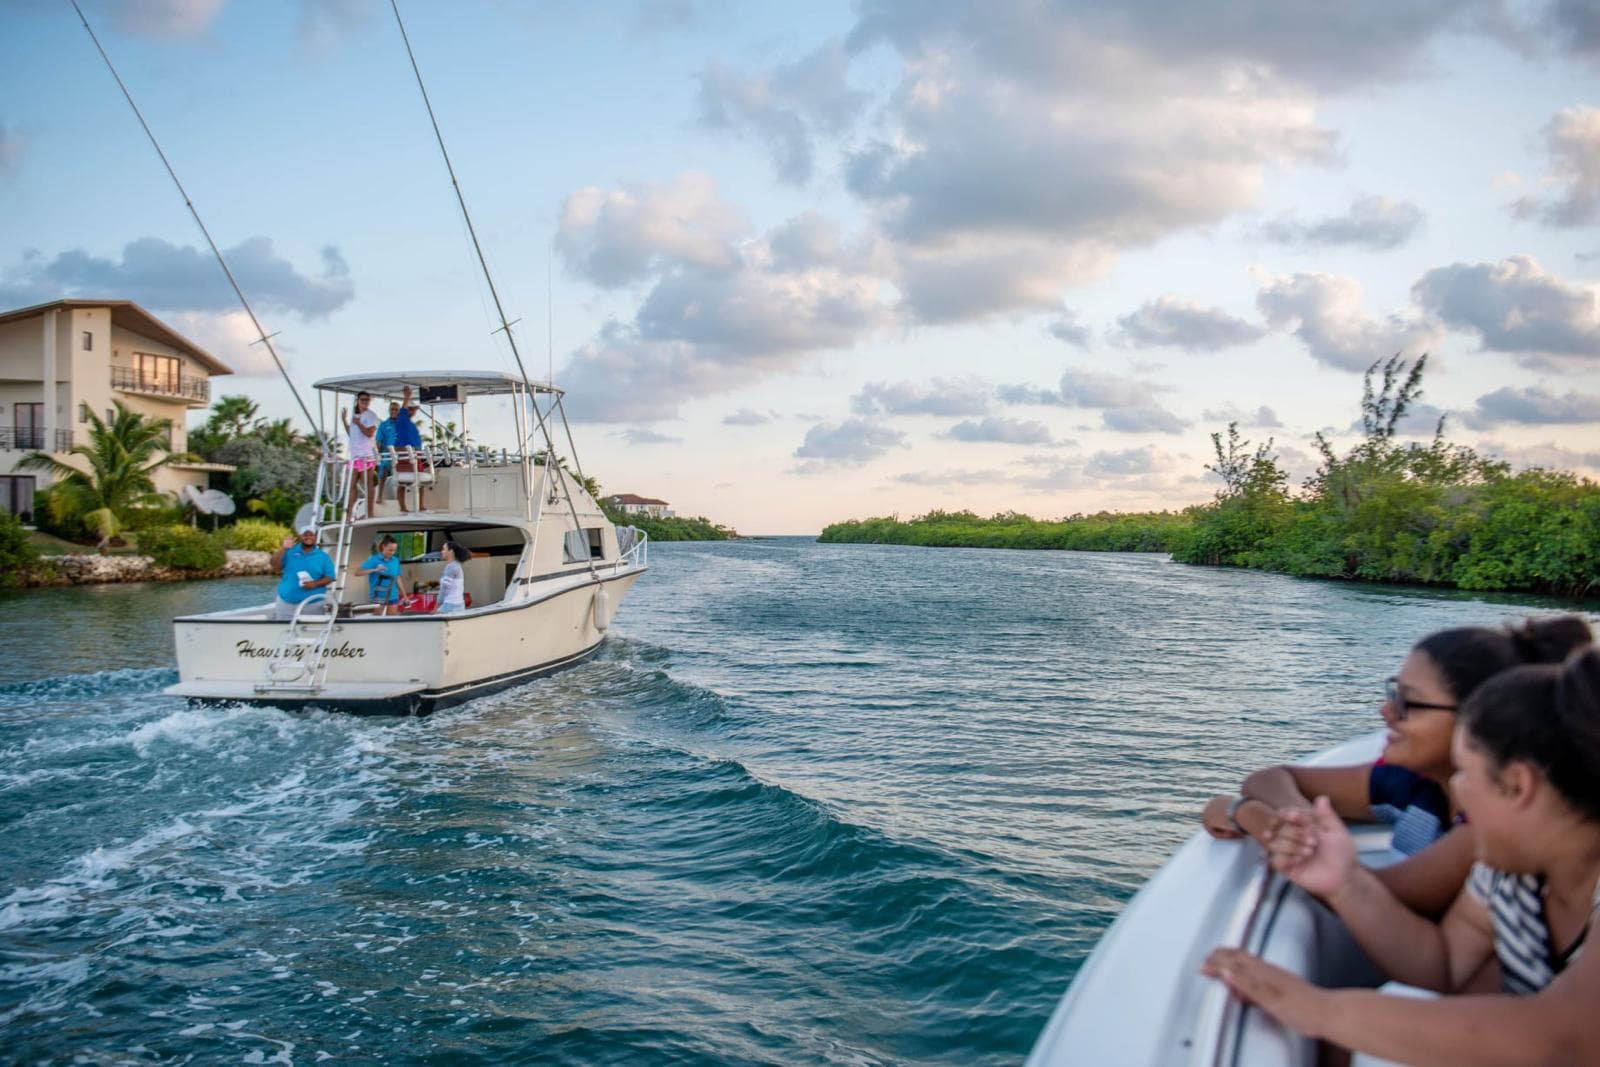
(130, 316)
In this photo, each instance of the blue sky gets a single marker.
(812, 262)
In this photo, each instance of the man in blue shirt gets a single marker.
(306, 570)
(406, 435)
(385, 441)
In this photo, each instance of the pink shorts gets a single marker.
(365, 463)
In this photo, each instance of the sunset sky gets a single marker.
(820, 261)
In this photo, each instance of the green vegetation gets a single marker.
(19, 559)
(1430, 513)
(255, 535)
(183, 547)
(120, 458)
(1154, 531)
(674, 529)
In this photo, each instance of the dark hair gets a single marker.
(460, 551)
(1471, 655)
(386, 539)
(1548, 716)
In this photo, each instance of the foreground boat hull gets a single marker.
(407, 665)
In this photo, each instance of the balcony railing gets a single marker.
(184, 385)
(29, 440)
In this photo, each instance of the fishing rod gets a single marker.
(264, 338)
(488, 277)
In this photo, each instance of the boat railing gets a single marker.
(633, 548)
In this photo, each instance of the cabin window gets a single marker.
(597, 543)
(88, 341)
(575, 546)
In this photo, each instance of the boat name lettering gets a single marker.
(250, 650)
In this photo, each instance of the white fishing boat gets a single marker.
(546, 573)
(1140, 1000)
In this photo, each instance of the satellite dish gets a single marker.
(304, 517)
(214, 502)
(190, 495)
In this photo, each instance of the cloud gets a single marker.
(1535, 406)
(324, 25)
(850, 443)
(1513, 306)
(951, 477)
(232, 338)
(663, 16)
(166, 277)
(1174, 323)
(166, 18)
(614, 238)
(1550, 456)
(1375, 223)
(1068, 329)
(1572, 139)
(641, 436)
(941, 396)
(1143, 418)
(1127, 404)
(12, 145)
(785, 108)
(1576, 26)
(1129, 461)
(1263, 417)
(1000, 430)
(1325, 313)
(747, 417)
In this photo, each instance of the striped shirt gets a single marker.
(1528, 957)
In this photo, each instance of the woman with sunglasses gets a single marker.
(1409, 786)
(1527, 749)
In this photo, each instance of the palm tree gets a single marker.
(232, 416)
(121, 457)
(279, 433)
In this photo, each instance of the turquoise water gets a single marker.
(810, 804)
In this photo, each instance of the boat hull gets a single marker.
(405, 665)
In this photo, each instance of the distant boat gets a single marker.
(1140, 1000)
(547, 572)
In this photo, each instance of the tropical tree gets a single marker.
(233, 416)
(279, 433)
(121, 458)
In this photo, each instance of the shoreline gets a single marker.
(95, 569)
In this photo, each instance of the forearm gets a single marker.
(1456, 1031)
(1407, 947)
(1275, 787)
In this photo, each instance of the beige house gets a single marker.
(62, 360)
(633, 504)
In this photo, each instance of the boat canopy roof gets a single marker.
(465, 382)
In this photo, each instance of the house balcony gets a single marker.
(31, 440)
(197, 391)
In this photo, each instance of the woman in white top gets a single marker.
(362, 431)
(452, 583)
(1527, 753)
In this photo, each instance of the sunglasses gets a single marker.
(1403, 707)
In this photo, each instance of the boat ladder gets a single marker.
(300, 666)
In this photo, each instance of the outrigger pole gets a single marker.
(505, 324)
(264, 338)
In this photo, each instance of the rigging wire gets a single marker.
(264, 337)
(488, 277)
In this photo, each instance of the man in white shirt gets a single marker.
(362, 431)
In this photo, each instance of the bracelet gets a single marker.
(1233, 812)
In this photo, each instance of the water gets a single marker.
(810, 804)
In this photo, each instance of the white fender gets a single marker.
(602, 609)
